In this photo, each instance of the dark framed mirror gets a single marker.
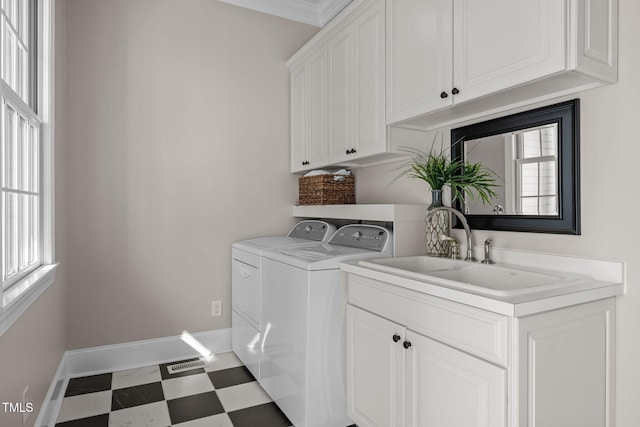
(536, 156)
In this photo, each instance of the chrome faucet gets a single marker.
(463, 220)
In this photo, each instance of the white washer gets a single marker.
(246, 282)
(303, 312)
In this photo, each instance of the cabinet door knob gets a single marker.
(443, 95)
(396, 338)
(348, 152)
(406, 344)
(455, 91)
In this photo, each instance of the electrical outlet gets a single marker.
(216, 308)
(25, 401)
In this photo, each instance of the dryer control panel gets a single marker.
(311, 230)
(369, 237)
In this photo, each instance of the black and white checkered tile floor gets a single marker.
(222, 394)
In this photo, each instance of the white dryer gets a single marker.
(246, 283)
(304, 295)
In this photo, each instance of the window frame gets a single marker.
(520, 160)
(15, 299)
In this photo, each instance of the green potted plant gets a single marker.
(438, 170)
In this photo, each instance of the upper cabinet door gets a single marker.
(317, 149)
(309, 112)
(500, 44)
(368, 31)
(340, 51)
(298, 117)
(419, 57)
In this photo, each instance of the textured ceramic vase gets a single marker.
(437, 225)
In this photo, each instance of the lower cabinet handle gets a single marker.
(406, 344)
(396, 338)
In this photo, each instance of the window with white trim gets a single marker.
(26, 243)
(536, 171)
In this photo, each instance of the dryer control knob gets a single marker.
(308, 229)
(357, 235)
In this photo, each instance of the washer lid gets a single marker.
(259, 245)
(302, 232)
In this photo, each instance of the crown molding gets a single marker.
(316, 13)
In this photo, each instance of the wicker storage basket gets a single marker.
(325, 190)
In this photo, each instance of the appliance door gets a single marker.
(245, 288)
(245, 342)
(283, 368)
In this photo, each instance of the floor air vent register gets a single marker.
(185, 366)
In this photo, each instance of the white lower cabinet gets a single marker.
(416, 360)
(375, 369)
(397, 377)
(446, 387)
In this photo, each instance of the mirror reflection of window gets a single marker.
(536, 167)
(526, 164)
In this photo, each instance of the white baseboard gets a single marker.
(53, 399)
(118, 357)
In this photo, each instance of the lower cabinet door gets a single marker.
(446, 387)
(375, 370)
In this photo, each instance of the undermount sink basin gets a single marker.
(481, 278)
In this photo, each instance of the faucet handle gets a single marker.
(487, 252)
(454, 249)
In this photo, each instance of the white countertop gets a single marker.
(604, 279)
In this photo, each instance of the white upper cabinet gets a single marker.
(503, 43)
(340, 95)
(493, 55)
(369, 54)
(299, 140)
(354, 132)
(384, 71)
(309, 112)
(419, 57)
(356, 87)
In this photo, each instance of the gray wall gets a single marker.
(178, 145)
(31, 349)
